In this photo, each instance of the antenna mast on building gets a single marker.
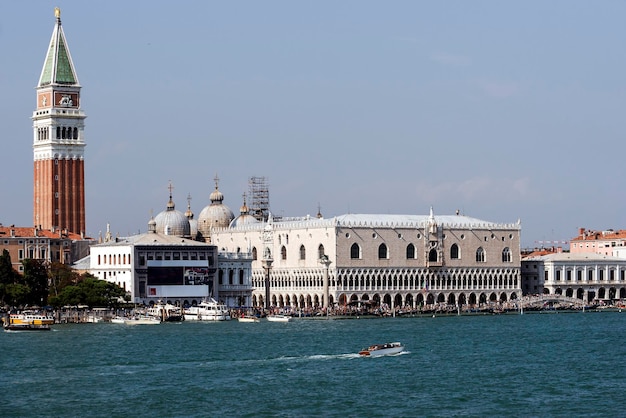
(259, 198)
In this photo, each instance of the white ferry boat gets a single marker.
(207, 310)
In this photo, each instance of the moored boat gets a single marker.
(278, 318)
(166, 312)
(386, 349)
(28, 321)
(92, 319)
(142, 320)
(207, 310)
(246, 318)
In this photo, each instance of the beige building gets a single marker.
(397, 260)
(60, 246)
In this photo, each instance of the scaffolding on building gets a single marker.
(259, 198)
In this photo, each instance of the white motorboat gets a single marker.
(142, 320)
(207, 310)
(118, 320)
(246, 318)
(278, 318)
(92, 319)
(378, 350)
(166, 312)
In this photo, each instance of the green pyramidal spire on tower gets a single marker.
(58, 67)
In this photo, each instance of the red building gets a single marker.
(58, 142)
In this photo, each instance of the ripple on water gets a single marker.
(518, 365)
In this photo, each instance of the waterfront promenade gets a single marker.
(534, 303)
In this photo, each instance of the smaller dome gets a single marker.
(216, 196)
(244, 217)
(152, 225)
(189, 213)
(243, 220)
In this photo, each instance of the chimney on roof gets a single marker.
(581, 231)
(12, 233)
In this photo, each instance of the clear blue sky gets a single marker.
(504, 110)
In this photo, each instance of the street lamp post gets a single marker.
(326, 262)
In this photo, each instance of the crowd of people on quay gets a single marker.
(82, 314)
(536, 302)
(382, 310)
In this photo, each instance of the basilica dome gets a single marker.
(244, 217)
(172, 221)
(215, 215)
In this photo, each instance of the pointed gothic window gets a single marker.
(480, 255)
(355, 251)
(410, 251)
(506, 255)
(432, 255)
(383, 253)
(320, 251)
(302, 253)
(454, 252)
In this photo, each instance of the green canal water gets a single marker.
(531, 365)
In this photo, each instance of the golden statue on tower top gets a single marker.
(57, 12)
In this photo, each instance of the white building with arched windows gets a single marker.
(397, 260)
(590, 277)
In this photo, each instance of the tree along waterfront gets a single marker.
(53, 284)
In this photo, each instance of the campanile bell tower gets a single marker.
(59, 141)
